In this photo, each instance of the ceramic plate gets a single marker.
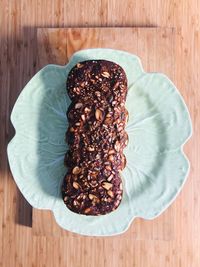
(159, 125)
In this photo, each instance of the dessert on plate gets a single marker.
(96, 137)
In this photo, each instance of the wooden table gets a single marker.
(170, 240)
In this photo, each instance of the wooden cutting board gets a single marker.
(155, 47)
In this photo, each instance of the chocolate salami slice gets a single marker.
(96, 137)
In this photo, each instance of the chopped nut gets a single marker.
(71, 129)
(83, 117)
(99, 114)
(110, 178)
(116, 85)
(87, 109)
(126, 142)
(75, 185)
(119, 196)
(86, 211)
(76, 170)
(120, 128)
(94, 174)
(111, 158)
(108, 168)
(121, 187)
(105, 74)
(97, 93)
(91, 196)
(108, 120)
(112, 151)
(79, 65)
(106, 185)
(76, 203)
(65, 198)
(117, 203)
(93, 183)
(108, 115)
(123, 162)
(127, 117)
(78, 105)
(117, 146)
(90, 148)
(110, 193)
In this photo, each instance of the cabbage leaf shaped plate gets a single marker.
(159, 125)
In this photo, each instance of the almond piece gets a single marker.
(106, 185)
(79, 65)
(108, 120)
(97, 93)
(111, 158)
(121, 187)
(90, 148)
(76, 170)
(78, 105)
(91, 196)
(75, 185)
(117, 146)
(112, 151)
(87, 210)
(110, 193)
(87, 110)
(110, 178)
(127, 117)
(108, 115)
(83, 117)
(123, 162)
(108, 168)
(105, 74)
(99, 114)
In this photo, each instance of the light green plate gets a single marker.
(159, 125)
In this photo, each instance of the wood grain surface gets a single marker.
(155, 47)
(177, 242)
